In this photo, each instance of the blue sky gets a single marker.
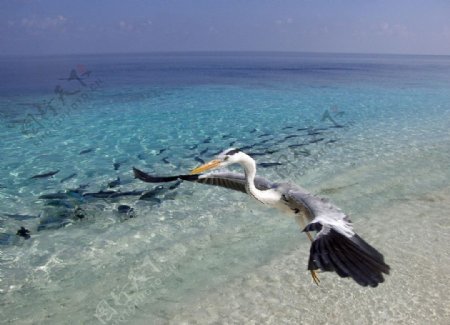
(103, 26)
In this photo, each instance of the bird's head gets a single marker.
(224, 159)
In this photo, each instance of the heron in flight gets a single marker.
(335, 247)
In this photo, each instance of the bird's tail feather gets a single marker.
(348, 257)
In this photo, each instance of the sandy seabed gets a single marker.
(404, 217)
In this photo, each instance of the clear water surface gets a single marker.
(371, 132)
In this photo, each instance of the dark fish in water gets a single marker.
(76, 193)
(215, 153)
(264, 135)
(255, 154)
(54, 196)
(253, 131)
(303, 129)
(114, 183)
(314, 131)
(269, 164)
(69, 194)
(123, 208)
(45, 175)
(291, 136)
(116, 165)
(232, 143)
(246, 147)
(100, 195)
(264, 141)
(148, 195)
(23, 232)
(226, 136)
(204, 151)
(158, 190)
(332, 141)
(112, 194)
(207, 140)
(82, 152)
(166, 160)
(288, 127)
(161, 151)
(68, 177)
(200, 160)
(20, 217)
(151, 199)
(316, 140)
(305, 153)
(297, 145)
(272, 151)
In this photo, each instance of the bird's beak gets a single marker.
(209, 165)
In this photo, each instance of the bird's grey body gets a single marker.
(295, 199)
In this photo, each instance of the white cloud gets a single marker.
(284, 21)
(139, 26)
(397, 30)
(125, 26)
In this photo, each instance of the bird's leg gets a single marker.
(309, 236)
(315, 277)
(314, 274)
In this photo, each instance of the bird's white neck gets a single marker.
(267, 196)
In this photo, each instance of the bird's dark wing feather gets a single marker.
(348, 257)
(143, 176)
(336, 246)
(233, 181)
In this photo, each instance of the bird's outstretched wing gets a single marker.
(336, 247)
(230, 180)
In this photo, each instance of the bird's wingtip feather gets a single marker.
(348, 257)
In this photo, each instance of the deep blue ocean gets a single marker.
(72, 127)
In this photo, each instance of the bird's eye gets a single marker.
(226, 158)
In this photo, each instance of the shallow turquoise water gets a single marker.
(164, 114)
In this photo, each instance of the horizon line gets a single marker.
(216, 52)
